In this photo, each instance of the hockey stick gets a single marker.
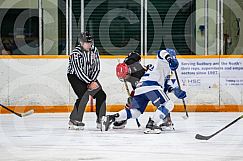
(128, 93)
(18, 114)
(184, 104)
(202, 137)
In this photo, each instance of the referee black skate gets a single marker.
(83, 70)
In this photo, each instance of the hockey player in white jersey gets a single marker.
(151, 88)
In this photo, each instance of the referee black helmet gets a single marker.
(86, 37)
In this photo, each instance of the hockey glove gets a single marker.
(173, 63)
(172, 52)
(172, 59)
(179, 93)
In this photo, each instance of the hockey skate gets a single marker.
(152, 128)
(167, 124)
(119, 124)
(75, 125)
(107, 121)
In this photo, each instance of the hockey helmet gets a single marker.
(86, 37)
(122, 71)
(132, 58)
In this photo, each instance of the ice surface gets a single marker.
(44, 137)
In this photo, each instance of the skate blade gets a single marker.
(154, 131)
(73, 127)
(168, 128)
(119, 127)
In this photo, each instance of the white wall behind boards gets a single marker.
(44, 82)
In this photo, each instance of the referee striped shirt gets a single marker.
(85, 65)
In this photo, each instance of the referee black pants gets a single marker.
(81, 90)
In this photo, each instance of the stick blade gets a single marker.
(185, 117)
(27, 113)
(201, 137)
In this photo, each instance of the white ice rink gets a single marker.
(44, 137)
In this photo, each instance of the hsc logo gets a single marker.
(191, 82)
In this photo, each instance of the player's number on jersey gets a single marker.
(151, 68)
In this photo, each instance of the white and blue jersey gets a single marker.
(155, 76)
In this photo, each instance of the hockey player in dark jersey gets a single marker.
(130, 71)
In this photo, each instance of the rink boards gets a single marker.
(213, 83)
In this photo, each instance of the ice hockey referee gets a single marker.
(83, 70)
